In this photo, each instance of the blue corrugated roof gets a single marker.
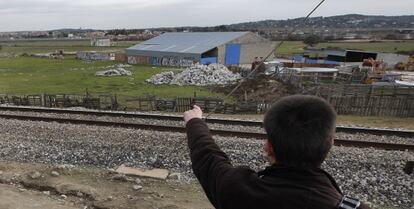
(188, 43)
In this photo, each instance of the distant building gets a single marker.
(96, 34)
(57, 34)
(100, 42)
(406, 30)
(392, 59)
(350, 36)
(343, 56)
(406, 36)
(184, 49)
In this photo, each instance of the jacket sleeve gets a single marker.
(209, 163)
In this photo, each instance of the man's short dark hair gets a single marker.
(301, 130)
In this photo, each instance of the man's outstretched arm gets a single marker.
(209, 163)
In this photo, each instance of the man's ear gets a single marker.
(270, 151)
(269, 148)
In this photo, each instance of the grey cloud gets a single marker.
(106, 14)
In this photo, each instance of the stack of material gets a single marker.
(8, 55)
(117, 70)
(162, 78)
(198, 75)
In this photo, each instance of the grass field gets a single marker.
(373, 46)
(27, 75)
(294, 47)
(289, 47)
(20, 47)
(36, 75)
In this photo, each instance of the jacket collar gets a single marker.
(298, 172)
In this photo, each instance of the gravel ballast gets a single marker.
(372, 175)
(255, 129)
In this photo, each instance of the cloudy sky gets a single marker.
(17, 15)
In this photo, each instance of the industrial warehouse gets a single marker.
(185, 49)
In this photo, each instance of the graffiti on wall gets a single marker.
(95, 56)
(139, 60)
(162, 61)
(121, 57)
(175, 61)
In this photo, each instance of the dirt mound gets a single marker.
(259, 88)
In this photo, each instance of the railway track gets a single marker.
(350, 130)
(227, 133)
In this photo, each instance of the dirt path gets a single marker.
(14, 198)
(34, 186)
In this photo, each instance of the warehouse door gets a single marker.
(233, 54)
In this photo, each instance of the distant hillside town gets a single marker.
(344, 27)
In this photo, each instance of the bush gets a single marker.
(312, 40)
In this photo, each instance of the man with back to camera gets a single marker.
(300, 131)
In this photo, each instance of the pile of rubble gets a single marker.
(116, 70)
(8, 55)
(198, 75)
(162, 78)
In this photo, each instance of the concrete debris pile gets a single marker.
(162, 78)
(117, 70)
(8, 55)
(198, 75)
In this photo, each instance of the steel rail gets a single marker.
(343, 129)
(226, 133)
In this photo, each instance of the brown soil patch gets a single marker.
(77, 187)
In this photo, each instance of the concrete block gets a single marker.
(152, 173)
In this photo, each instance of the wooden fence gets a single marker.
(99, 101)
(361, 100)
(367, 100)
(373, 106)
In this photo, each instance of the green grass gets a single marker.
(20, 47)
(373, 46)
(295, 47)
(40, 49)
(291, 47)
(27, 75)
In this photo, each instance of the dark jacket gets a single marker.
(229, 187)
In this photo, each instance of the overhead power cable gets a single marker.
(270, 54)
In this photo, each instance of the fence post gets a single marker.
(367, 102)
